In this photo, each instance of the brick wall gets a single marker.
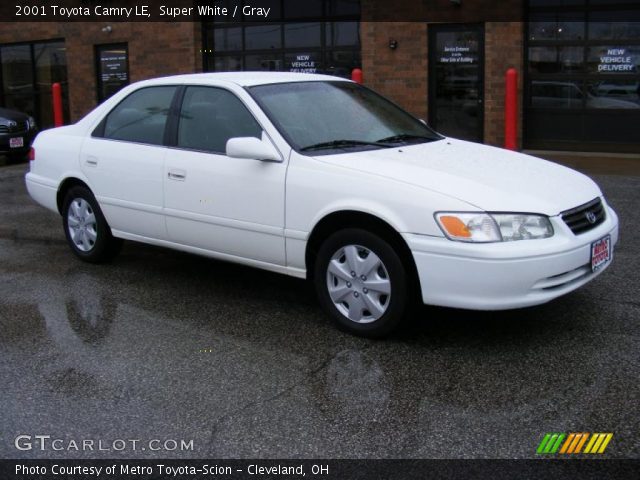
(402, 74)
(399, 74)
(155, 49)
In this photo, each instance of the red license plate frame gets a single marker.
(600, 253)
(16, 142)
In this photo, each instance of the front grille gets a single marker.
(585, 217)
(19, 127)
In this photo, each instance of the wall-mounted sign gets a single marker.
(457, 54)
(113, 69)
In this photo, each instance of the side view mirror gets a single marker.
(252, 148)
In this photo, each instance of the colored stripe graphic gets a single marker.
(543, 443)
(583, 439)
(598, 443)
(568, 442)
(550, 443)
(606, 441)
(573, 443)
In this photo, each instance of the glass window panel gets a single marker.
(344, 7)
(210, 117)
(267, 62)
(556, 94)
(612, 28)
(226, 39)
(298, 35)
(226, 63)
(263, 37)
(614, 94)
(342, 63)
(343, 34)
(17, 72)
(141, 117)
(25, 103)
(612, 59)
(551, 26)
(556, 59)
(51, 67)
(299, 9)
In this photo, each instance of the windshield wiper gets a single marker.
(342, 144)
(403, 137)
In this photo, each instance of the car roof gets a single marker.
(244, 79)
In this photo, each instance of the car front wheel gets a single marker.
(361, 282)
(86, 229)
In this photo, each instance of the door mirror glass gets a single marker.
(252, 148)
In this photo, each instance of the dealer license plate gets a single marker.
(600, 253)
(16, 142)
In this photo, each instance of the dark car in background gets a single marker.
(17, 131)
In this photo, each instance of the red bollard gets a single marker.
(511, 110)
(56, 92)
(356, 75)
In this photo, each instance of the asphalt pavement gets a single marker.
(171, 350)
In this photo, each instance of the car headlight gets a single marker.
(521, 226)
(32, 123)
(494, 227)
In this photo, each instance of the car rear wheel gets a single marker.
(361, 282)
(86, 229)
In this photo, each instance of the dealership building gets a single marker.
(443, 60)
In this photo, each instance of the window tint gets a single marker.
(210, 117)
(141, 117)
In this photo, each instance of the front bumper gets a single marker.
(500, 276)
(27, 139)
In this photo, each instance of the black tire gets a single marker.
(104, 246)
(394, 272)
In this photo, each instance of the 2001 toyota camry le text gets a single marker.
(321, 178)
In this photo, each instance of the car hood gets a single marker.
(489, 178)
(7, 115)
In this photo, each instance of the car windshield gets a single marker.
(337, 117)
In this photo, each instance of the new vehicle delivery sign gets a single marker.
(616, 60)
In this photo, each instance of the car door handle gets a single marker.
(179, 175)
(91, 161)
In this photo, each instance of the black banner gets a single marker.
(276, 10)
(583, 469)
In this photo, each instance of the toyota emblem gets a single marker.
(591, 217)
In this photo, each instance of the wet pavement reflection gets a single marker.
(165, 345)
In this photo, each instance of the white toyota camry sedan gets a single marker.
(320, 178)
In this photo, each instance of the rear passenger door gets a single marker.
(227, 205)
(124, 162)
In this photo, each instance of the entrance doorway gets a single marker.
(456, 80)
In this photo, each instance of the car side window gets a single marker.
(210, 116)
(141, 117)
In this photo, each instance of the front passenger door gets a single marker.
(227, 205)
